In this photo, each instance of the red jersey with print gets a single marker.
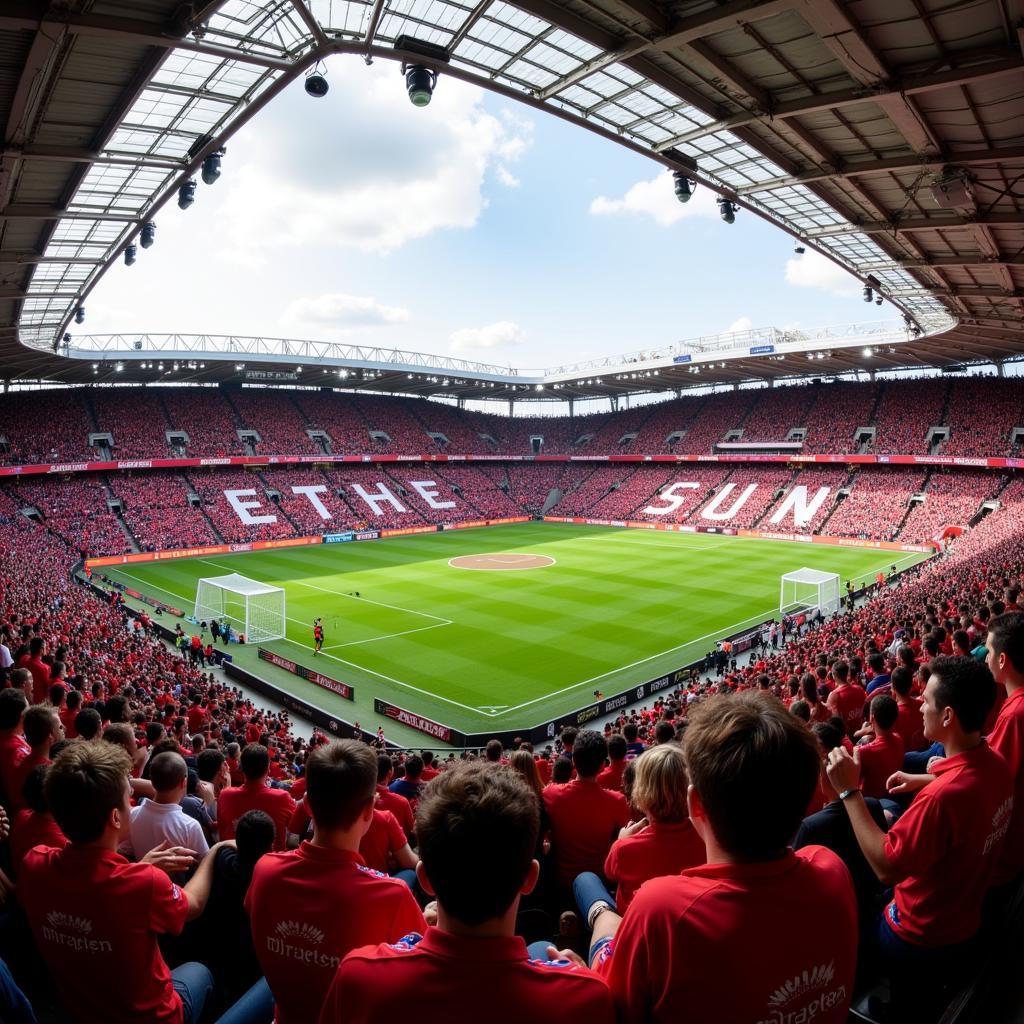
(1007, 740)
(785, 930)
(308, 908)
(234, 801)
(96, 918)
(13, 750)
(655, 851)
(398, 806)
(946, 847)
(434, 979)
(910, 724)
(384, 836)
(585, 820)
(848, 703)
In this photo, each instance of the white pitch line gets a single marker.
(387, 636)
(351, 597)
(724, 631)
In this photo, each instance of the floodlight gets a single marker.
(878, 300)
(868, 352)
(147, 236)
(799, 250)
(727, 210)
(868, 294)
(316, 85)
(130, 253)
(186, 195)
(683, 186)
(419, 82)
(211, 167)
(80, 315)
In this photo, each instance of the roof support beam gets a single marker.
(686, 30)
(866, 168)
(966, 260)
(29, 212)
(915, 224)
(842, 98)
(70, 154)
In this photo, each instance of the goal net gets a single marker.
(808, 590)
(254, 609)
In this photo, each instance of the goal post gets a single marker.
(808, 589)
(255, 609)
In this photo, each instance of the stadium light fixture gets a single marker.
(316, 83)
(119, 367)
(211, 167)
(684, 186)
(187, 194)
(727, 210)
(420, 82)
(878, 300)
(868, 294)
(130, 253)
(147, 236)
(80, 315)
(868, 352)
(799, 250)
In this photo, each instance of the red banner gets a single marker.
(211, 549)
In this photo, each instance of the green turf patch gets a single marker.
(480, 650)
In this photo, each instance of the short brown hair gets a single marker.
(83, 785)
(755, 767)
(39, 724)
(477, 829)
(659, 789)
(341, 779)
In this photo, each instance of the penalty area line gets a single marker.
(387, 636)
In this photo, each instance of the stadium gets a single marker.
(340, 648)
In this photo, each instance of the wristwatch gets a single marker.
(849, 792)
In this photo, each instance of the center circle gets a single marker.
(501, 561)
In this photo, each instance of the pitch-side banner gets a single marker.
(309, 674)
(411, 719)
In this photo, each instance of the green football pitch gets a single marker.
(500, 646)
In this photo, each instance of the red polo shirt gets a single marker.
(611, 777)
(234, 801)
(308, 908)
(398, 806)
(910, 724)
(96, 918)
(656, 851)
(31, 829)
(19, 774)
(848, 703)
(40, 677)
(1007, 740)
(13, 750)
(946, 847)
(384, 836)
(585, 820)
(786, 931)
(878, 760)
(440, 977)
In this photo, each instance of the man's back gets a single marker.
(847, 701)
(236, 800)
(398, 806)
(666, 961)
(429, 979)
(1007, 740)
(910, 723)
(878, 760)
(311, 906)
(946, 847)
(95, 918)
(153, 822)
(584, 822)
(611, 777)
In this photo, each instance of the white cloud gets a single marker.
(342, 311)
(506, 177)
(656, 198)
(743, 323)
(363, 168)
(812, 270)
(503, 334)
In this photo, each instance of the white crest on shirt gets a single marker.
(299, 930)
(804, 996)
(58, 919)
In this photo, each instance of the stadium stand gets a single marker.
(904, 416)
(276, 418)
(157, 511)
(44, 426)
(878, 502)
(206, 419)
(136, 423)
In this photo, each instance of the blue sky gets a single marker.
(474, 227)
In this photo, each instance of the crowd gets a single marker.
(277, 419)
(876, 504)
(951, 499)
(157, 512)
(836, 794)
(904, 416)
(134, 418)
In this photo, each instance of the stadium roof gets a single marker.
(889, 134)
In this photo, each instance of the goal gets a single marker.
(809, 589)
(254, 609)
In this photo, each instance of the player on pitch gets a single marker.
(318, 635)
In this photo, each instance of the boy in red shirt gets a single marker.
(611, 777)
(95, 916)
(752, 767)
(255, 795)
(309, 907)
(477, 827)
(42, 730)
(585, 817)
(389, 801)
(942, 853)
(846, 701)
(883, 756)
(909, 723)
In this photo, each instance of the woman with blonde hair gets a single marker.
(663, 842)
